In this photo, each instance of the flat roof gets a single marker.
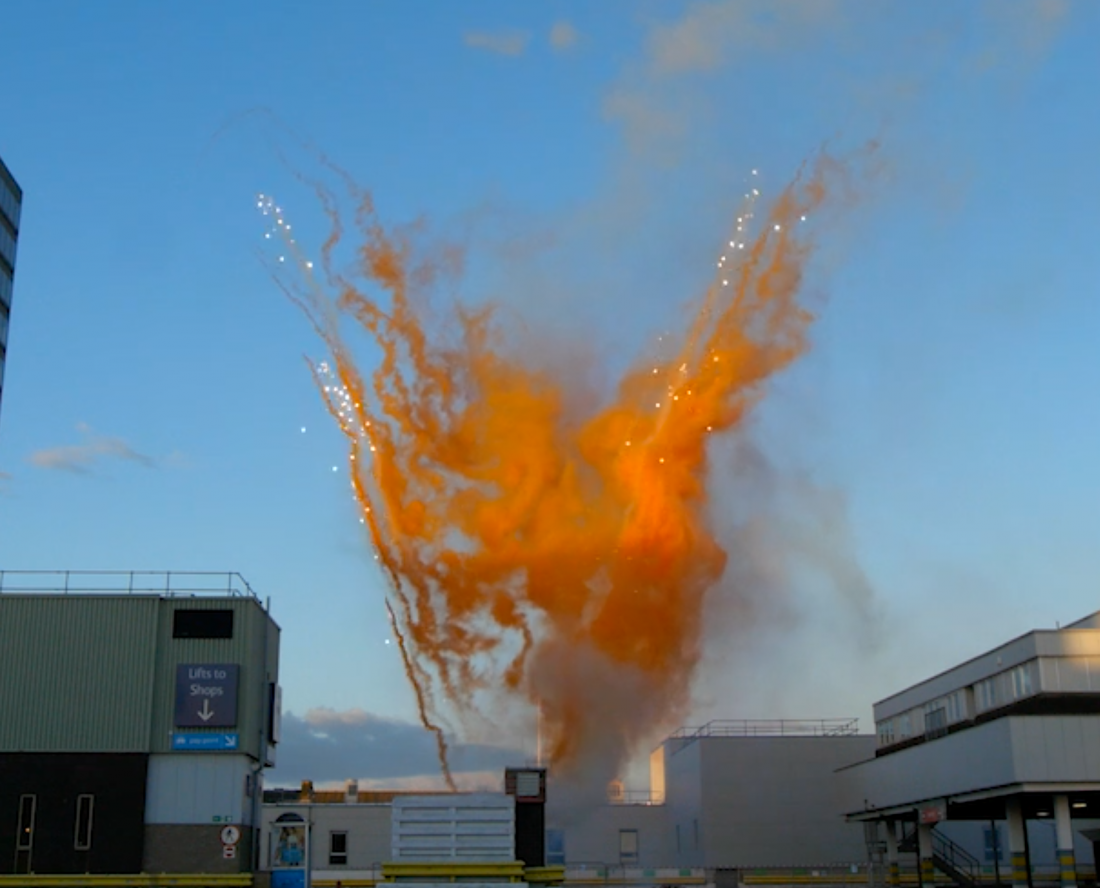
(1075, 626)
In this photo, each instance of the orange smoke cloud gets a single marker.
(534, 553)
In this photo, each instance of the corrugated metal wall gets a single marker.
(77, 673)
(98, 673)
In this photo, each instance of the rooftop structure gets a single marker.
(137, 712)
(1010, 735)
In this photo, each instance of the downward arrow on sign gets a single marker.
(206, 713)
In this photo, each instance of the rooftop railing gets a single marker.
(168, 583)
(747, 727)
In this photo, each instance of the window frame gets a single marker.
(333, 854)
(626, 856)
(86, 844)
(21, 829)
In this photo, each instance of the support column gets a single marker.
(924, 848)
(1017, 843)
(1064, 830)
(893, 873)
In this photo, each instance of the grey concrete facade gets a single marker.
(367, 827)
(738, 802)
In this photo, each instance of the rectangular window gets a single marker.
(202, 624)
(905, 728)
(886, 732)
(986, 692)
(83, 836)
(24, 837)
(628, 846)
(337, 849)
(555, 847)
(695, 831)
(1021, 682)
(935, 722)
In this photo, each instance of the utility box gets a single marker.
(473, 827)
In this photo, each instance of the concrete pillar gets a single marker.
(1064, 830)
(1017, 843)
(924, 848)
(893, 873)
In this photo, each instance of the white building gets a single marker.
(1011, 736)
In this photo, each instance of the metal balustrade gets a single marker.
(166, 583)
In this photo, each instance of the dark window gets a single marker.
(83, 838)
(337, 849)
(628, 846)
(24, 838)
(935, 723)
(202, 624)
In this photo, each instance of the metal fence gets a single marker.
(125, 582)
(743, 727)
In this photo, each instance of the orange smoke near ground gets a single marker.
(534, 553)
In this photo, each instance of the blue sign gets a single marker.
(206, 742)
(206, 695)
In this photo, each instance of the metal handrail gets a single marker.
(822, 727)
(167, 583)
(955, 855)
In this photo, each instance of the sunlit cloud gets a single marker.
(83, 457)
(506, 42)
(563, 36)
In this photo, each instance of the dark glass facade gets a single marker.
(11, 201)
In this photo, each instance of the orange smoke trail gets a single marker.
(421, 703)
(533, 552)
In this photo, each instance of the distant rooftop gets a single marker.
(167, 583)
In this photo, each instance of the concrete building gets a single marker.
(744, 794)
(137, 713)
(1010, 740)
(728, 796)
(11, 203)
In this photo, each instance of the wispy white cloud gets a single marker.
(508, 42)
(563, 36)
(81, 458)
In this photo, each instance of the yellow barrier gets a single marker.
(454, 871)
(346, 883)
(544, 875)
(137, 880)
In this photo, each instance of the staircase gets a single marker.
(950, 858)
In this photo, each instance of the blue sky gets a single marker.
(590, 155)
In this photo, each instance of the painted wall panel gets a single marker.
(779, 801)
(593, 836)
(194, 788)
